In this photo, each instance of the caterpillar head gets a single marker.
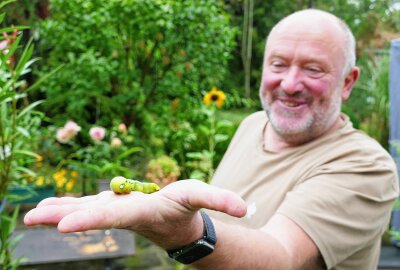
(117, 184)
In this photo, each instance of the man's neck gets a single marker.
(273, 142)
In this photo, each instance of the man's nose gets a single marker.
(292, 82)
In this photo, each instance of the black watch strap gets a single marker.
(198, 249)
(209, 231)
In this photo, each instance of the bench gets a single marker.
(46, 245)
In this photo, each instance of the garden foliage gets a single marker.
(141, 62)
(147, 64)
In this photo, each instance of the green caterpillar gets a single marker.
(122, 185)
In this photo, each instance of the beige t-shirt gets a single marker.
(338, 188)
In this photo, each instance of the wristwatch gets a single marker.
(198, 249)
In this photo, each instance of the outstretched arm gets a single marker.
(170, 219)
(156, 216)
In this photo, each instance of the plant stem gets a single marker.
(211, 142)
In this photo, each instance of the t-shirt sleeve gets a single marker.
(342, 212)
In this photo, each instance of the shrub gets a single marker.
(132, 60)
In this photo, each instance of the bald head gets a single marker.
(313, 21)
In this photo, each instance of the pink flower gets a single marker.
(116, 142)
(3, 46)
(72, 128)
(122, 128)
(97, 133)
(67, 132)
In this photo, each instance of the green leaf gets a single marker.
(5, 225)
(6, 3)
(14, 241)
(24, 58)
(6, 95)
(204, 130)
(221, 137)
(43, 78)
(128, 152)
(14, 96)
(24, 132)
(29, 108)
(224, 124)
(197, 174)
(10, 29)
(195, 155)
(25, 170)
(2, 15)
(26, 68)
(25, 153)
(14, 218)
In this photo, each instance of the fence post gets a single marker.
(394, 99)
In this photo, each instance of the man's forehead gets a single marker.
(309, 22)
(322, 29)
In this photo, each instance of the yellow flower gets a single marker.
(74, 174)
(60, 174)
(40, 181)
(216, 96)
(60, 182)
(69, 185)
(39, 161)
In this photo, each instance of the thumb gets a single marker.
(196, 194)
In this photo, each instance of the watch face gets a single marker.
(194, 252)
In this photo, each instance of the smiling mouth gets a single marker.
(291, 104)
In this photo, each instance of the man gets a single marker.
(319, 193)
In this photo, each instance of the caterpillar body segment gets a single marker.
(122, 185)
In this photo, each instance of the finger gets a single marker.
(202, 195)
(73, 200)
(125, 212)
(60, 201)
(49, 215)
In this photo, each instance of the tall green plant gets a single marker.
(12, 113)
(15, 113)
(376, 123)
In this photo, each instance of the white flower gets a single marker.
(122, 128)
(97, 133)
(116, 142)
(62, 135)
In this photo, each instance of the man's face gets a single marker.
(302, 80)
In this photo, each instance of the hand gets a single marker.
(157, 216)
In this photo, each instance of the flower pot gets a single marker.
(29, 194)
(103, 185)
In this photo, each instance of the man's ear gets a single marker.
(349, 80)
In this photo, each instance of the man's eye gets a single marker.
(278, 66)
(314, 71)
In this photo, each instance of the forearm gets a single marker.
(243, 248)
